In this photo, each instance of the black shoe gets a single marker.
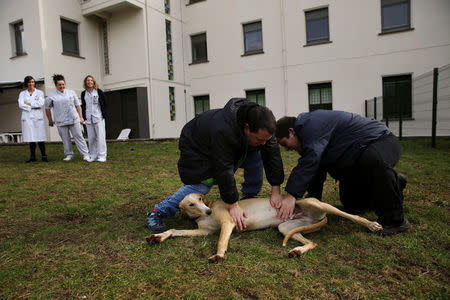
(394, 229)
(31, 159)
(44, 158)
(402, 181)
(155, 222)
(248, 196)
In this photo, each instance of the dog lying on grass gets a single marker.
(309, 216)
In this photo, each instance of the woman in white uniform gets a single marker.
(94, 110)
(68, 118)
(31, 102)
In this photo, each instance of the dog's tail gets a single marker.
(304, 228)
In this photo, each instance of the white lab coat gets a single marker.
(33, 126)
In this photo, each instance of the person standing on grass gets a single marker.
(68, 118)
(213, 146)
(94, 111)
(31, 102)
(361, 153)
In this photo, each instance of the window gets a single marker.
(19, 39)
(169, 50)
(397, 96)
(104, 30)
(395, 15)
(257, 96)
(199, 52)
(69, 32)
(320, 96)
(172, 102)
(201, 104)
(167, 6)
(253, 41)
(317, 30)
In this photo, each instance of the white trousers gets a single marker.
(75, 129)
(97, 139)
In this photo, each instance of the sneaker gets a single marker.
(67, 158)
(101, 159)
(31, 159)
(88, 158)
(394, 229)
(248, 196)
(155, 222)
(401, 181)
(44, 158)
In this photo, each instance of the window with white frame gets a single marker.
(17, 38)
(395, 15)
(317, 27)
(69, 33)
(199, 48)
(320, 96)
(253, 41)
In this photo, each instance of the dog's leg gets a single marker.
(307, 245)
(161, 237)
(313, 203)
(222, 245)
(289, 227)
(227, 225)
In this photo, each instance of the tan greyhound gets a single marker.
(309, 216)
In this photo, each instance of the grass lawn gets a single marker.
(74, 229)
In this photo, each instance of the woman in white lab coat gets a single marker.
(31, 102)
(93, 105)
(67, 118)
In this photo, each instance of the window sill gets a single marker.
(19, 55)
(189, 4)
(396, 119)
(396, 31)
(73, 55)
(252, 53)
(199, 62)
(317, 43)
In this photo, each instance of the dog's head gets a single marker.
(194, 206)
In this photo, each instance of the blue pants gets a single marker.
(253, 179)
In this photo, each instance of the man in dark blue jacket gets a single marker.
(361, 153)
(213, 146)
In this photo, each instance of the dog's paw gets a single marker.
(154, 239)
(294, 253)
(374, 227)
(216, 259)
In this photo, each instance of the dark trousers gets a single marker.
(33, 149)
(253, 173)
(372, 183)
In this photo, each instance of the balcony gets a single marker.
(104, 8)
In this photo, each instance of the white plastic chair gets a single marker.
(124, 134)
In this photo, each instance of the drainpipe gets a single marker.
(284, 58)
(149, 92)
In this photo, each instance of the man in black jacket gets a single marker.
(213, 146)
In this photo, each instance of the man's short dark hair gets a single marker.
(260, 117)
(283, 126)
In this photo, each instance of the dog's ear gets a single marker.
(202, 198)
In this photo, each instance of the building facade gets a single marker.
(161, 62)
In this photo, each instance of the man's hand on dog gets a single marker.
(287, 207)
(238, 215)
(276, 198)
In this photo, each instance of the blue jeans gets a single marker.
(169, 206)
(253, 173)
(253, 179)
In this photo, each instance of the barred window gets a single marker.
(320, 96)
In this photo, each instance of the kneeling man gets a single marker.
(361, 153)
(213, 146)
